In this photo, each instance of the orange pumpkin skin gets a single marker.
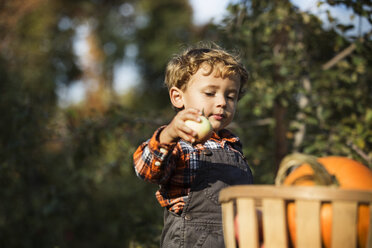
(350, 175)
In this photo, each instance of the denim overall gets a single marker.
(200, 224)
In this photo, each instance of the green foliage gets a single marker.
(66, 175)
(110, 201)
(285, 50)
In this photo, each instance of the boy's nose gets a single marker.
(221, 101)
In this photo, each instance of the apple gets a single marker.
(203, 129)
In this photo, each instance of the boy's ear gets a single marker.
(176, 97)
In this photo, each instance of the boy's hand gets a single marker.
(177, 129)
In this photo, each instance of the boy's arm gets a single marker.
(151, 159)
(177, 128)
(155, 159)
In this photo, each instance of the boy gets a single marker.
(190, 175)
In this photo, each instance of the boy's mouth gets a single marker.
(218, 117)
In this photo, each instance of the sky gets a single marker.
(208, 10)
(126, 72)
(214, 10)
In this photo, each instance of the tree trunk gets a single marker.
(281, 145)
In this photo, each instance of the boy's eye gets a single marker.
(231, 96)
(209, 93)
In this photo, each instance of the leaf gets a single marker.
(283, 71)
(344, 28)
(360, 143)
(368, 116)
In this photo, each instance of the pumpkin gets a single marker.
(333, 171)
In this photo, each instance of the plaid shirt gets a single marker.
(173, 166)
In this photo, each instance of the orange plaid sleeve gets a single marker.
(151, 157)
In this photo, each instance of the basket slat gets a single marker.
(247, 219)
(344, 224)
(308, 224)
(298, 192)
(228, 224)
(273, 199)
(274, 224)
(369, 237)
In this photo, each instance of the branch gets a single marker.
(339, 57)
(360, 152)
(299, 136)
(347, 51)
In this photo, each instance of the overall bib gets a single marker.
(200, 224)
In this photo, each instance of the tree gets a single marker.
(67, 174)
(303, 106)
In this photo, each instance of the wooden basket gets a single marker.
(244, 200)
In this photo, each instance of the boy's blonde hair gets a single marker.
(181, 67)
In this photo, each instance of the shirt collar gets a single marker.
(225, 135)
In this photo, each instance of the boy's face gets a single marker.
(215, 95)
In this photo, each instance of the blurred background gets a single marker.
(81, 86)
